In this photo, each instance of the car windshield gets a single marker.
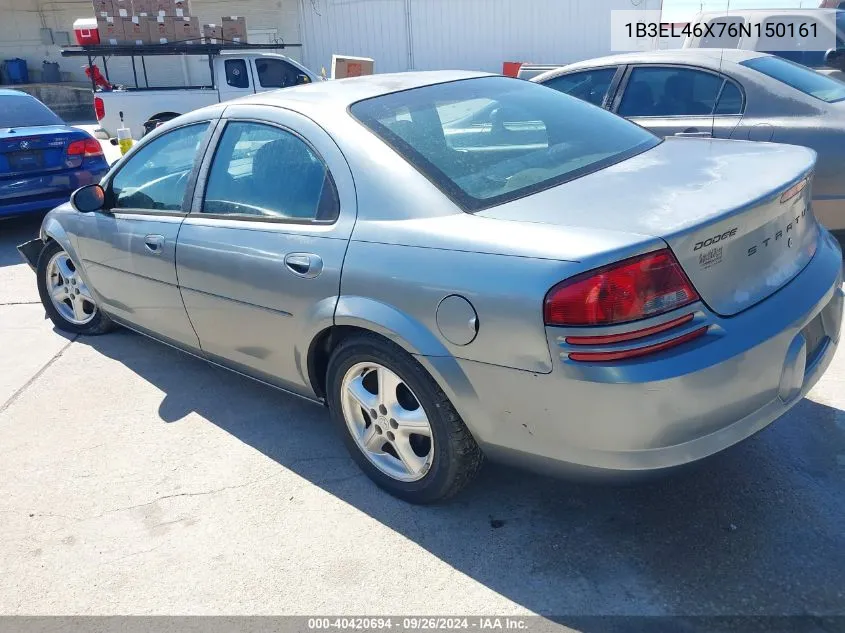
(489, 140)
(799, 77)
(25, 111)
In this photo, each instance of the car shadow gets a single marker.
(16, 231)
(755, 530)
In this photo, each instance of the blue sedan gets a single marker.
(42, 160)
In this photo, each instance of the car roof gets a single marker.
(345, 92)
(7, 92)
(704, 57)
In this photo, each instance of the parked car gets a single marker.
(727, 32)
(529, 71)
(42, 160)
(235, 74)
(554, 287)
(724, 94)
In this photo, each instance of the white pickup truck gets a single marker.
(234, 73)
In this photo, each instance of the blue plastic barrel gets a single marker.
(16, 71)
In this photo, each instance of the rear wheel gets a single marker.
(397, 424)
(65, 296)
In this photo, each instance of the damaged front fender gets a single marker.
(30, 251)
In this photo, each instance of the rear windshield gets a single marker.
(799, 77)
(489, 140)
(24, 111)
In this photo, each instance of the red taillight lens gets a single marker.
(86, 148)
(629, 290)
(99, 108)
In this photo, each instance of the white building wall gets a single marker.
(468, 34)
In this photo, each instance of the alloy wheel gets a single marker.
(68, 293)
(387, 421)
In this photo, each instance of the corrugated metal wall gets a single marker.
(469, 34)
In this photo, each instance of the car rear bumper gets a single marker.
(32, 194)
(670, 408)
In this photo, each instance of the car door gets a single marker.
(237, 78)
(129, 249)
(259, 257)
(670, 100)
(594, 85)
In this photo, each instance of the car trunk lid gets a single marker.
(719, 205)
(28, 150)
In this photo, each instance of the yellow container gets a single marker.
(124, 140)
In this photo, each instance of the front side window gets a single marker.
(589, 85)
(276, 73)
(799, 77)
(156, 176)
(669, 91)
(261, 170)
(504, 138)
(236, 74)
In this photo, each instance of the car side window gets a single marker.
(669, 91)
(156, 176)
(276, 73)
(589, 85)
(730, 101)
(236, 75)
(261, 170)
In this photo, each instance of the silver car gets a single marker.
(550, 285)
(724, 94)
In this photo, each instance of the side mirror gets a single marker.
(302, 79)
(835, 58)
(88, 199)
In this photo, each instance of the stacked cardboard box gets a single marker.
(187, 30)
(234, 29)
(212, 33)
(136, 30)
(110, 30)
(146, 22)
(162, 30)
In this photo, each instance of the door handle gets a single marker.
(305, 265)
(154, 243)
(694, 133)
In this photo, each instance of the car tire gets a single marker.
(91, 320)
(453, 458)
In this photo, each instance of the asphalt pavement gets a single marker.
(137, 480)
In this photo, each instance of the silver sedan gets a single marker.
(724, 94)
(462, 265)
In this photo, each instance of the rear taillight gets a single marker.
(86, 148)
(632, 289)
(99, 108)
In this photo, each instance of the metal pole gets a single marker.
(106, 68)
(134, 71)
(409, 33)
(144, 65)
(211, 69)
(91, 73)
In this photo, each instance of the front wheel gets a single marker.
(65, 296)
(397, 423)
